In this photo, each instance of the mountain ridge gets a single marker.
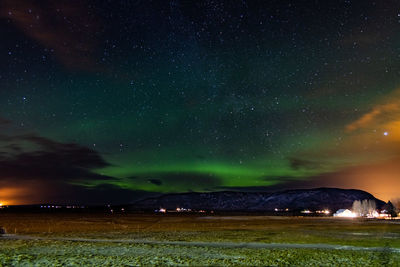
(294, 199)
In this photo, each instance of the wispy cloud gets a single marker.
(380, 114)
(65, 27)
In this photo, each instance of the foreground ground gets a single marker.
(130, 240)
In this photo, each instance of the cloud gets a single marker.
(156, 181)
(4, 121)
(378, 115)
(36, 169)
(384, 117)
(48, 160)
(175, 181)
(374, 136)
(377, 132)
(297, 163)
(66, 27)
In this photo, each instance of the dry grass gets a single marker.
(213, 228)
(261, 229)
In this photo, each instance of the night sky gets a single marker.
(113, 101)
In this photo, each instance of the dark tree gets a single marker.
(391, 209)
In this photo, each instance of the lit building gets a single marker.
(344, 213)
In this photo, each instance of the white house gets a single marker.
(344, 213)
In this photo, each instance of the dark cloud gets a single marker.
(155, 181)
(50, 160)
(65, 27)
(13, 147)
(297, 163)
(4, 121)
(179, 181)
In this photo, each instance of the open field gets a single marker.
(131, 239)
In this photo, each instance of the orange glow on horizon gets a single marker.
(380, 179)
(13, 196)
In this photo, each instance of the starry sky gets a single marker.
(113, 101)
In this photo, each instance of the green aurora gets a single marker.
(232, 97)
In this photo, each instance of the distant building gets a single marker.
(344, 213)
(306, 211)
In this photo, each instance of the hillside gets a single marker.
(315, 199)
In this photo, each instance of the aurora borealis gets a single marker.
(112, 101)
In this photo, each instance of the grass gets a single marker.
(260, 229)
(195, 228)
(56, 253)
